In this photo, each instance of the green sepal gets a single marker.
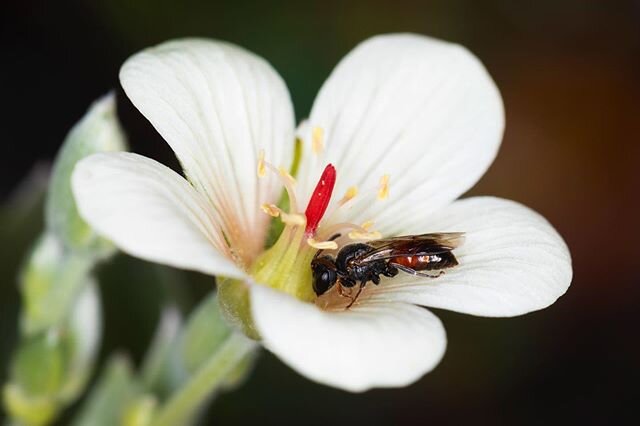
(235, 306)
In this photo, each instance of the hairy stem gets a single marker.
(205, 382)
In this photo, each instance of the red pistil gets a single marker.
(320, 199)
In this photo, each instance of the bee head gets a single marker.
(324, 274)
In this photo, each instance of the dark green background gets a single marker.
(569, 73)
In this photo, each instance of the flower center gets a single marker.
(286, 265)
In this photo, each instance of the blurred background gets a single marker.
(569, 73)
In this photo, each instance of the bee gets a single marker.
(420, 255)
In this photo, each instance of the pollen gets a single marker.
(262, 169)
(317, 140)
(367, 225)
(294, 219)
(357, 235)
(349, 195)
(322, 245)
(271, 209)
(383, 192)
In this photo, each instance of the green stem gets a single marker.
(207, 379)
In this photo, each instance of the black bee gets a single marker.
(364, 262)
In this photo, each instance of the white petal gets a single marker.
(218, 105)
(150, 212)
(375, 345)
(424, 111)
(512, 262)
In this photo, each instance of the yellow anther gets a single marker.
(262, 169)
(322, 245)
(293, 219)
(285, 174)
(357, 235)
(383, 192)
(271, 209)
(349, 195)
(367, 225)
(317, 140)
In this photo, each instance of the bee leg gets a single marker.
(390, 271)
(375, 278)
(343, 284)
(356, 296)
(423, 274)
(341, 291)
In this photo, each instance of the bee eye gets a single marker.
(323, 280)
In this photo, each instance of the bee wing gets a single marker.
(412, 245)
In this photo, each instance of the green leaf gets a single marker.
(111, 396)
(204, 333)
(140, 411)
(98, 131)
(160, 373)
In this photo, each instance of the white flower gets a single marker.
(409, 123)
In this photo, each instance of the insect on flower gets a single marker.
(404, 125)
(364, 262)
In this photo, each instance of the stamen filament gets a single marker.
(287, 180)
(335, 229)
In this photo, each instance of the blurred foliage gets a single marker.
(61, 318)
(113, 390)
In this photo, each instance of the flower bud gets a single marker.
(50, 282)
(82, 339)
(98, 131)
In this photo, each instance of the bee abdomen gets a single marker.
(427, 262)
